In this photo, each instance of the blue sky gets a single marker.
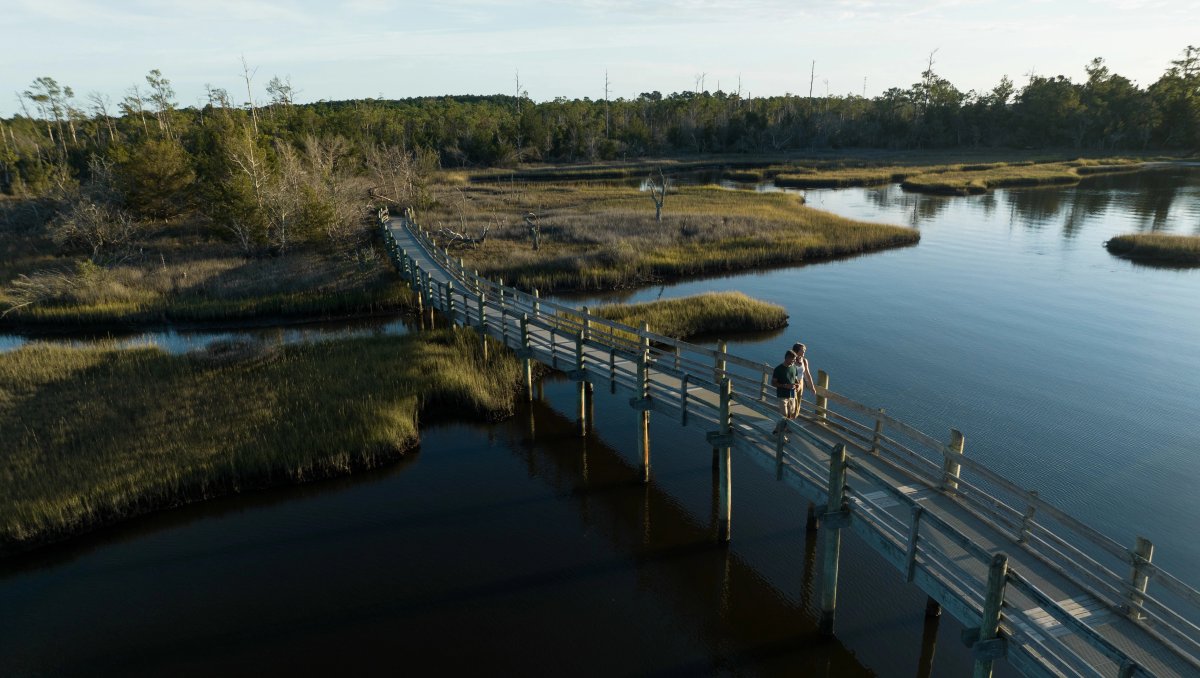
(376, 48)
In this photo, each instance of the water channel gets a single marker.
(520, 547)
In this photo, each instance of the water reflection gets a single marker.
(176, 341)
(917, 206)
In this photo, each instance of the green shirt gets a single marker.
(786, 374)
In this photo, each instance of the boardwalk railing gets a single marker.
(1062, 598)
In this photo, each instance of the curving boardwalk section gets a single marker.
(1033, 585)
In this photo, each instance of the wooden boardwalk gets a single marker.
(1033, 585)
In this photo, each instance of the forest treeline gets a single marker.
(264, 172)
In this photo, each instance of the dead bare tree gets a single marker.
(248, 75)
(464, 239)
(535, 230)
(658, 193)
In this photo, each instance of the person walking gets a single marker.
(785, 377)
(801, 364)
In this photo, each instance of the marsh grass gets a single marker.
(974, 179)
(598, 236)
(201, 288)
(711, 313)
(1157, 247)
(96, 435)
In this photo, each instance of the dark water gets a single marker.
(517, 548)
(521, 548)
(1071, 371)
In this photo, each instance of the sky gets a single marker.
(377, 48)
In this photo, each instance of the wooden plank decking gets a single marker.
(1074, 603)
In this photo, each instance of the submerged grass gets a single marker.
(1157, 247)
(603, 236)
(698, 315)
(96, 435)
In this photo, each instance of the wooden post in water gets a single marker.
(822, 401)
(644, 407)
(528, 358)
(987, 649)
(1142, 553)
(581, 377)
(836, 514)
(951, 469)
(725, 467)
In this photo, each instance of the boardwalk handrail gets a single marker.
(887, 451)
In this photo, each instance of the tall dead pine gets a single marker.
(658, 193)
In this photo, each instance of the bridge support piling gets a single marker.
(836, 514)
(583, 419)
(989, 624)
(928, 646)
(725, 466)
(644, 446)
(812, 522)
(644, 403)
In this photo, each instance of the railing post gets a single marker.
(644, 362)
(528, 361)
(836, 512)
(988, 648)
(450, 301)
(719, 361)
(586, 330)
(483, 336)
(612, 370)
(537, 304)
(1141, 555)
(951, 469)
(766, 381)
(1027, 519)
(877, 438)
(683, 399)
(503, 296)
(822, 401)
(419, 287)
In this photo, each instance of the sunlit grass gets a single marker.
(968, 180)
(95, 435)
(598, 236)
(702, 314)
(1157, 247)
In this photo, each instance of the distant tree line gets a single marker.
(267, 173)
